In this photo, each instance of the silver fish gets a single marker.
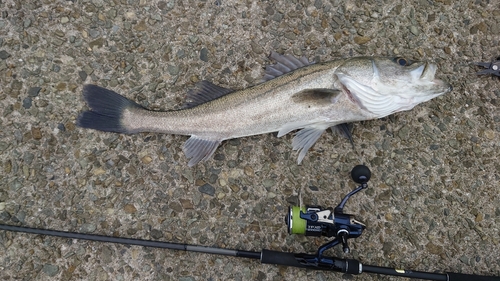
(296, 95)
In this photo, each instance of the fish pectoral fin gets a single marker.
(317, 96)
(306, 138)
(198, 149)
(204, 92)
(344, 130)
(284, 64)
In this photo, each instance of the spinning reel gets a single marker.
(317, 221)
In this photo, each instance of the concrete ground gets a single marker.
(433, 203)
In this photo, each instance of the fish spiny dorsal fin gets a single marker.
(204, 92)
(283, 65)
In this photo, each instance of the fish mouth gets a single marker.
(429, 72)
(426, 71)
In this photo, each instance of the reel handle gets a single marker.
(360, 174)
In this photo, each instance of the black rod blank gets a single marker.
(405, 273)
(265, 256)
(132, 241)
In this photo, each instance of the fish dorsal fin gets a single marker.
(198, 149)
(283, 65)
(204, 92)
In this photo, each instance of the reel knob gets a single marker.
(361, 174)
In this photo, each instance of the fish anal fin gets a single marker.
(284, 64)
(204, 92)
(317, 96)
(199, 149)
(306, 138)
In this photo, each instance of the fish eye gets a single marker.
(402, 61)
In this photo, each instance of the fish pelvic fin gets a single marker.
(306, 138)
(198, 149)
(283, 65)
(106, 110)
(204, 92)
(344, 130)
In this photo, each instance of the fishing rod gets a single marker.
(309, 221)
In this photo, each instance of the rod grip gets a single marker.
(468, 277)
(311, 261)
(280, 258)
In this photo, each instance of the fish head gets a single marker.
(384, 86)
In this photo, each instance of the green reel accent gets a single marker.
(298, 225)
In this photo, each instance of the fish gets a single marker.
(295, 95)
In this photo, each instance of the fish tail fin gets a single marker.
(106, 110)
